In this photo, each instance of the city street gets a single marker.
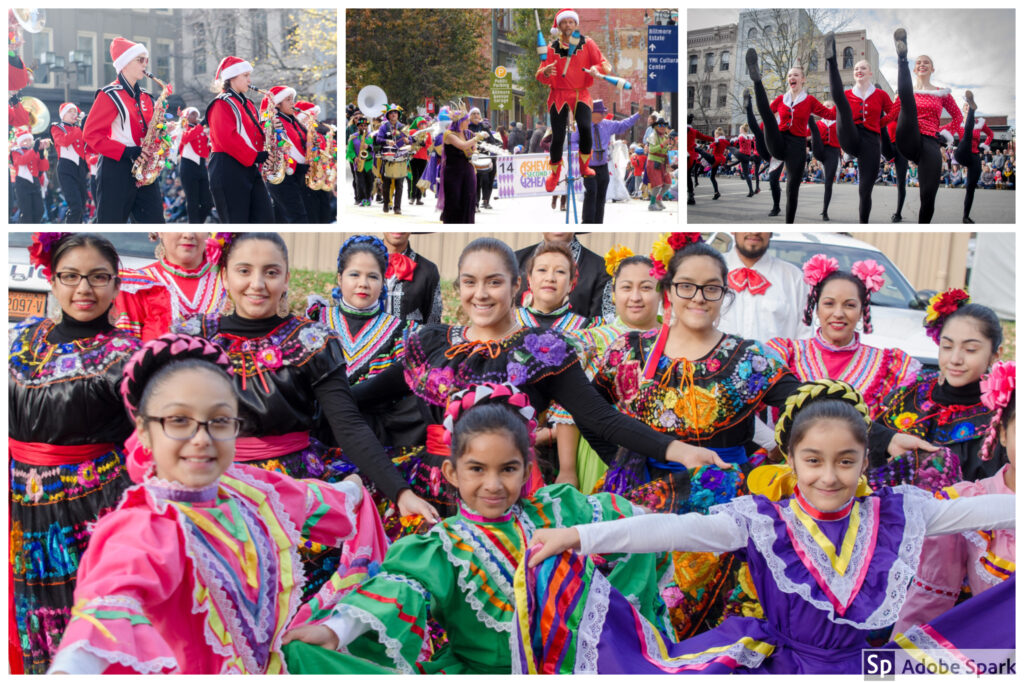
(990, 206)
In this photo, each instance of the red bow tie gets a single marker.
(400, 266)
(749, 279)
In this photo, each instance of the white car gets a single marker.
(897, 310)
(28, 292)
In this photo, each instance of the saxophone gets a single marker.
(276, 164)
(315, 174)
(331, 176)
(151, 161)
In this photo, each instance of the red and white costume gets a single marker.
(692, 135)
(872, 108)
(718, 149)
(575, 84)
(827, 130)
(195, 143)
(117, 120)
(745, 144)
(793, 113)
(69, 140)
(930, 104)
(234, 127)
(980, 126)
(28, 164)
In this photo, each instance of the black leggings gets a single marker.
(970, 161)
(559, 123)
(745, 162)
(889, 151)
(829, 158)
(714, 167)
(766, 157)
(783, 145)
(923, 150)
(855, 140)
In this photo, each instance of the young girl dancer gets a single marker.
(979, 559)
(787, 138)
(967, 150)
(775, 166)
(65, 435)
(829, 559)
(196, 571)
(692, 135)
(918, 109)
(460, 573)
(716, 157)
(825, 147)
(746, 157)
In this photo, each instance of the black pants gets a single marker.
(969, 160)
(195, 180)
(289, 205)
(72, 178)
(708, 157)
(766, 156)
(392, 190)
(239, 192)
(559, 123)
(364, 185)
(923, 150)
(829, 158)
(120, 199)
(783, 145)
(418, 166)
(855, 140)
(595, 190)
(889, 151)
(484, 185)
(745, 162)
(30, 201)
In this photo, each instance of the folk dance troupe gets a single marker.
(268, 160)
(575, 478)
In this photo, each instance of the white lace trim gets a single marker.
(743, 655)
(153, 666)
(544, 496)
(392, 646)
(115, 601)
(591, 624)
(410, 582)
(466, 584)
(595, 505)
(975, 539)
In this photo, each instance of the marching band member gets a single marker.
(389, 139)
(93, 159)
(117, 124)
(72, 167)
(418, 162)
(29, 164)
(236, 138)
(318, 202)
(289, 203)
(484, 177)
(360, 155)
(195, 149)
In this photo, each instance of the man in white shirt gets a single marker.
(770, 293)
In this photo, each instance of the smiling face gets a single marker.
(965, 354)
(698, 315)
(795, 79)
(84, 302)
(636, 296)
(361, 280)
(185, 249)
(839, 311)
(923, 66)
(550, 280)
(190, 393)
(256, 278)
(862, 71)
(485, 290)
(828, 462)
(489, 473)
(397, 242)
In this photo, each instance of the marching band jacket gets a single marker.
(195, 143)
(70, 142)
(297, 136)
(234, 127)
(30, 163)
(119, 117)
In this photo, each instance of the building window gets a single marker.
(228, 42)
(37, 44)
(812, 61)
(783, 30)
(199, 48)
(690, 91)
(724, 63)
(847, 57)
(162, 60)
(709, 61)
(768, 32)
(705, 96)
(752, 34)
(259, 33)
(723, 95)
(109, 75)
(693, 64)
(87, 77)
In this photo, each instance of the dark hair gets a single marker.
(240, 237)
(494, 246)
(635, 259)
(362, 248)
(165, 372)
(987, 321)
(1010, 411)
(826, 409)
(489, 418)
(862, 293)
(689, 251)
(551, 248)
(85, 239)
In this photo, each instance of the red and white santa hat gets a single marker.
(231, 67)
(308, 108)
(65, 107)
(123, 51)
(23, 133)
(567, 13)
(281, 92)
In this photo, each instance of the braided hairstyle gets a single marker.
(487, 408)
(823, 399)
(364, 244)
(862, 293)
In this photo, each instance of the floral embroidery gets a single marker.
(312, 338)
(34, 486)
(913, 409)
(547, 348)
(517, 373)
(191, 326)
(905, 420)
(270, 357)
(627, 380)
(440, 381)
(87, 474)
(34, 361)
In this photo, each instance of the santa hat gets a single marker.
(308, 108)
(231, 67)
(188, 109)
(65, 107)
(281, 93)
(565, 14)
(123, 51)
(23, 133)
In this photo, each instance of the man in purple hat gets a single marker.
(601, 132)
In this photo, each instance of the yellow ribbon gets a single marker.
(249, 563)
(76, 611)
(776, 482)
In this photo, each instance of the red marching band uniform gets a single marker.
(72, 165)
(319, 208)
(194, 150)
(27, 168)
(288, 195)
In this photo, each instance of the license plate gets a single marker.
(21, 305)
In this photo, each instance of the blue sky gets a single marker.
(971, 49)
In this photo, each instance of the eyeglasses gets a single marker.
(181, 428)
(95, 279)
(688, 290)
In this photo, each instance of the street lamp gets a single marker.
(78, 60)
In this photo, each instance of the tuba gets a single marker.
(38, 114)
(157, 142)
(276, 165)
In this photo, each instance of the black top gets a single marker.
(284, 368)
(418, 299)
(63, 387)
(440, 361)
(592, 295)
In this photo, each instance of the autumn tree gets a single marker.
(524, 34)
(416, 53)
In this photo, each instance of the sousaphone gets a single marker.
(372, 101)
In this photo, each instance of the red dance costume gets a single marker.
(827, 130)
(793, 115)
(116, 121)
(980, 126)
(718, 149)
(930, 104)
(692, 135)
(745, 144)
(872, 111)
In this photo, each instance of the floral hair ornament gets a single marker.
(615, 256)
(40, 252)
(940, 307)
(665, 248)
(217, 245)
(870, 273)
(374, 243)
(488, 392)
(819, 267)
(997, 390)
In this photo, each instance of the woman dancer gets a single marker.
(716, 158)
(746, 157)
(692, 135)
(457, 196)
(825, 147)
(918, 109)
(967, 150)
(775, 166)
(900, 163)
(787, 138)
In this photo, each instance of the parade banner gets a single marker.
(523, 175)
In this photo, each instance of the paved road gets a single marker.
(990, 206)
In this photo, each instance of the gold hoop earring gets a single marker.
(282, 306)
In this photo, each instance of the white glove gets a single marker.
(947, 136)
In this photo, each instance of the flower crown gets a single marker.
(665, 248)
(615, 256)
(376, 244)
(940, 307)
(217, 245)
(997, 390)
(488, 392)
(40, 253)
